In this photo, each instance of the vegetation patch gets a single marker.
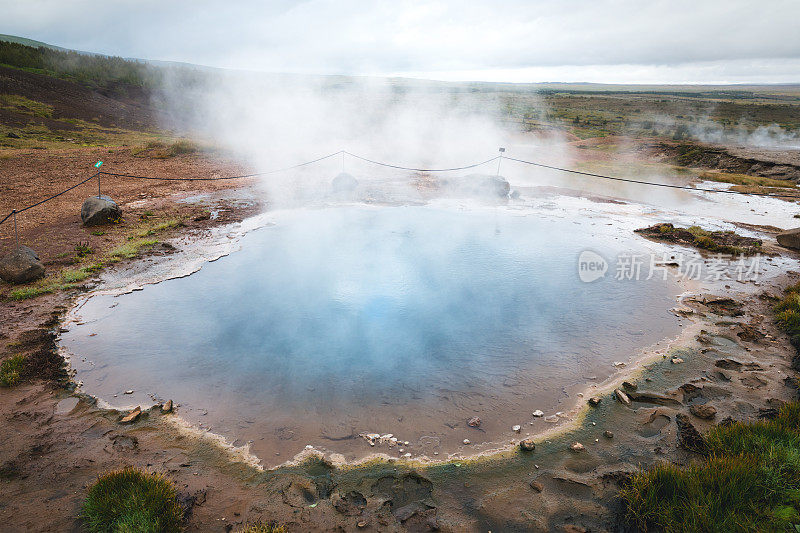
(722, 242)
(26, 105)
(131, 500)
(750, 481)
(750, 181)
(787, 314)
(11, 370)
(261, 528)
(164, 150)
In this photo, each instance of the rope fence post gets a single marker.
(500, 159)
(16, 234)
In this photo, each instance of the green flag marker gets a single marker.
(97, 165)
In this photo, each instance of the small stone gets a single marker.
(167, 407)
(129, 391)
(594, 401)
(535, 485)
(619, 364)
(704, 411)
(607, 434)
(406, 455)
(622, 397)
(98, 210)
(516, 429)
(362, 524)
(676, 360)
(538, 414)
(627, 385)
(131, 417)
(577, 447)
(527, 445)
(551, 418)
(474, 422)
(466, 441)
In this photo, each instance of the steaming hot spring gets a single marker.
(348, 319)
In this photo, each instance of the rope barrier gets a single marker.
(640, 182)
(399, 167)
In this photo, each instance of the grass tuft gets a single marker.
(11, 370)
(749, 482)
(261, 528)
(131, 500)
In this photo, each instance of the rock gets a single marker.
(344, 182)
(607, 434)
(622, 397)
(478, 185)
(653, 397)
(362, 524)
(551, 418)
(577, 447)
(516, 429)
(167, 407)
(129, 391)
(538, 414)
(594, 401)
(790, 239)
(12, 135)
(351, 504)
(466, 441)
(704, 411)
(131, 417)
(688, 436)
(535, 485)
(21, 266)
(676, 360)
(474, 422)
(102, 210)
(691, 391)
(627, 385)
(527, 445)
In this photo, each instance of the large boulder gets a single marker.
(344, 182)
(479, 186)
(21, 266)
(790, 239)
(98, 210)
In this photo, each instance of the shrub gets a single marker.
(131, 500)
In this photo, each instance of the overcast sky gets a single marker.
(623, 41)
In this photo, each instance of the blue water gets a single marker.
(361, 313)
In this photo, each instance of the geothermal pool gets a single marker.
(408, 320)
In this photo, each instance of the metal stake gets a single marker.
(500, 159)
(16, 234)
(98, 185)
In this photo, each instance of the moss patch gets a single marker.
(722, 242)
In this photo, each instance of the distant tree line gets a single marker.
(96, 71)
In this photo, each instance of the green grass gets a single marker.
(131, 500)
(130, 249)
(11, 370)
(745, 180)
(750, 481)
(787, 313)
(26, 105)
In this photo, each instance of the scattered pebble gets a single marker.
(129, 392)
(619, 364)
(538, 414)
(466, 441)
(705, 411)
(577, 447)
(527, 445)
(474, 422)
(535, 485)
(676, 360)
(516, 429)
(607, 434)
(551, 418)
(622, 397)
(594, 401)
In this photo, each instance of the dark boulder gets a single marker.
(100, 210)
(790, 239)
(344, 182)
(21, 266)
